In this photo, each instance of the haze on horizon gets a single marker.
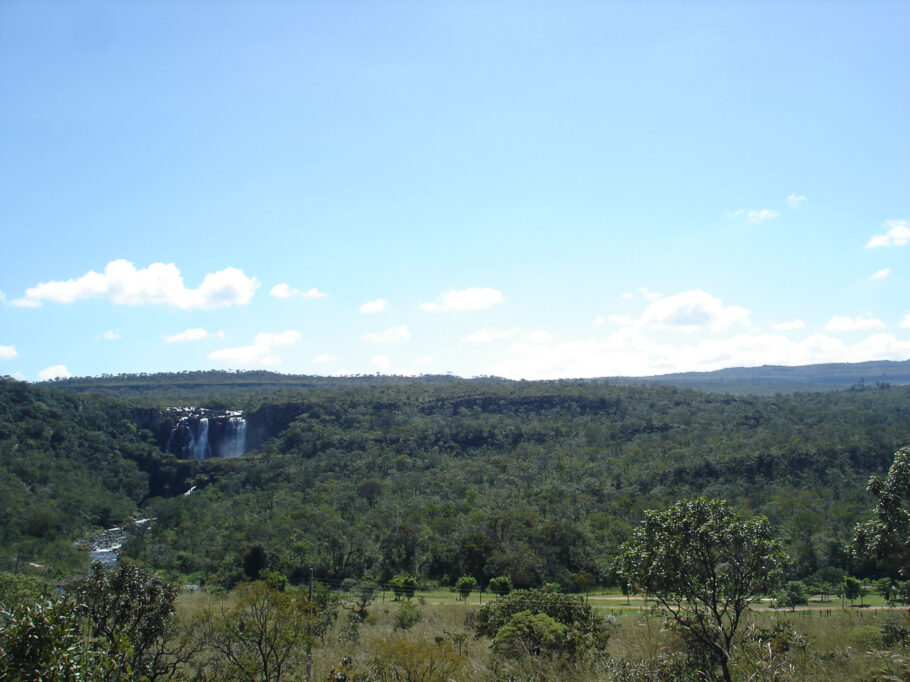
(514, 189)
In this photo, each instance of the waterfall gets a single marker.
(199, 445)
(234, 443)
(201, 433)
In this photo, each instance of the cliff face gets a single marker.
(270, 420)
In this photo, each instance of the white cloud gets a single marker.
(258, 353)
(391, 335)
(324, 359)
(599, 321)
(628, 295)
(54, 372)
(839, 324)
(195, 334)
(109, 335)
(8, 352)
(880, 274)
(688, 311)
(788, 326)
(795, 200)
(760, 216)
(650, 295)
(381, 361)
(631, 353)
(540, 336)
(905, 323)
(898, 234)
(18, 376)
(373, 307)
(457, 300)
(25, 303)
(158, 284)
(286, 291)
(489, 335)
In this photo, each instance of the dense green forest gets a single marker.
(440, 477)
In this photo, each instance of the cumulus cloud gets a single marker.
(880, 274)
(195, 334)
(688, 311)
(898, 234)
(373, 307)
(795, 200)
(599, 321)
(540, 336)
(158, 284)
(259, 353)
(391, 335)
(905, 323)
(324, 359)
(286, 291)
(381, 361)
(489, 335)
(109, 335)
(760, 216)
(789, 326)
(54, 372)
(631, 353)
(457, 300)
(839, 324)
(8, 352)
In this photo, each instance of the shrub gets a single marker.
(501, 585)
(792, 595)
(407, 616)
(584, 624)
(403, 585)
(534, 634)
(465, 585)
(425, 661)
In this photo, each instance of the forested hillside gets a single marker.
(537, 480)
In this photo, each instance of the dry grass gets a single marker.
(827, 644)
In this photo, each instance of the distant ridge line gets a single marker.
(763, 380)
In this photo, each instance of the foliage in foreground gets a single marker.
(703, 566)
(887, 536)
(570, 626)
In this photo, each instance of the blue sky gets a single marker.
(524, 189)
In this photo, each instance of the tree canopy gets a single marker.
(887, 536)
(703, 565)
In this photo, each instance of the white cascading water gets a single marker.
(199, 445)
(235, 440)
(198, 437)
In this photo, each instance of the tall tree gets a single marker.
(887, 536)
(703, 566)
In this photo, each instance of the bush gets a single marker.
(403, 585)
(17, 588)
(534, 634)
(792, 595)
(584, 624)
(895, 634)
(501, 585)
(425, 661)
(46, 642)
(407, 616)
(465, 585)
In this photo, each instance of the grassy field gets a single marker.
(821, 642)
